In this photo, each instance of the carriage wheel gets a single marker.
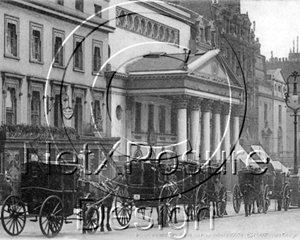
(286, 197)
(222, 202)
(266, 199)
(237, 198)
(13, 215)
(92, 219)
(167, 203)
(123, 207)
(51, 216)
(201, 203)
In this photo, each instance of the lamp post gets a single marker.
(292, 102)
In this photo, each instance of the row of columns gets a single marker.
(221, 114)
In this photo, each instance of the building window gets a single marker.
(201, 35)
(58, 51)
(266, 114)
(207, 34)
(98, 10)
(173, 120)
(11, 36)
(97, 56)
(11, 106)
(57, 111)
(36, 36)
(60, 2)
(79, 5)
(280, 114)
(162, 119)
(97, 115)
(35, 108)
(150, 117)
(78, 114)
(78, 53)
(138, 115)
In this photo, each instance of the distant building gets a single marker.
(273, 115)
(288, 66)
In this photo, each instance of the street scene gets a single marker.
(148, 119)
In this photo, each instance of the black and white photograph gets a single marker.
(149, 119)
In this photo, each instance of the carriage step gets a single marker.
(33, 220)
(67, 222)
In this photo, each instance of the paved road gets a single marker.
(273, 225)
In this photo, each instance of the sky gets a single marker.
(277, 24)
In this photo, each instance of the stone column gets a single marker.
(216, 144)
(237, 111)
(128, 122)
(195, 124)
(205, 142)
(226, 145)
(181, 104)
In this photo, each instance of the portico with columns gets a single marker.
(190, 105)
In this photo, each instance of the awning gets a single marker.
(276, 165)
(241, 154)
(279, 166)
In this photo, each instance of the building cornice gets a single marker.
(63, 13)
(113, 74)
(176, 74)
(159, 8)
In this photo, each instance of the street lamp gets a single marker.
(292, 102)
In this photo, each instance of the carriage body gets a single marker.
(41, 180)
(251, 188)
(144, 183)
(48, 193)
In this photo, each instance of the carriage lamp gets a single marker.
(292, 102)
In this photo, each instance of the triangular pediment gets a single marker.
(211, 70)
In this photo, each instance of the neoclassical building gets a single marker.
(177, 96)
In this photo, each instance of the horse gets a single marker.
(102, 195)
(248, 191)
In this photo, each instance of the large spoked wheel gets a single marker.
(13, 215)
(51, 216)
(123, 207)
(237, 198)
(167, 205)
(286, 198)
(92, 219)
(222, 202)
(201, 203)
(266, 199)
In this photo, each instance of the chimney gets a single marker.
(293, 46)
(297, 43)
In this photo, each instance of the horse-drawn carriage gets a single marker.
(147, 188)
(46, 195)
(163, 184)
(258, 186)
(49, 193)
(250, 188)
(277, 188)
(198, 190)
